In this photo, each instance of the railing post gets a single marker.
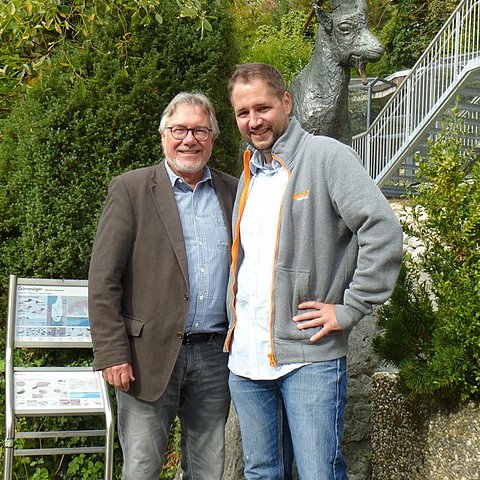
(9, 392)
(367, 156)
(456, 59)
(408, 110)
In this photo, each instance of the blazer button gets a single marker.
(185, 296)
(180, 335)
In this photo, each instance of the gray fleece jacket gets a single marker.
(338, 242)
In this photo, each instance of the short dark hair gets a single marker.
(247, 72)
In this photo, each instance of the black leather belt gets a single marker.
(190, 338)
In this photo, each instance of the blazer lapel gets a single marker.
(224, 195)
(166, 207)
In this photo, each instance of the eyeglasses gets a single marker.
(200, 133)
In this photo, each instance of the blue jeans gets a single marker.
(198, 392)
(303, 410)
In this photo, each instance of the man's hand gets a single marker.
(119, 376)
(322, 315)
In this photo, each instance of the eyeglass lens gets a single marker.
(200, 133)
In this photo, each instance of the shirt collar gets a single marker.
(258, 164)
(175, 179)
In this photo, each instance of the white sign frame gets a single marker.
(50, 314)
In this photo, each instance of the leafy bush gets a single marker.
(62, 144)
(406, 28)
(77, 127)
(287, 47)
(431, 326)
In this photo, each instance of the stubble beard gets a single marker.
(262, 146)
(188, 168)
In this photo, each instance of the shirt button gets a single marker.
(185, 296)
(201, 297)
(202, 269)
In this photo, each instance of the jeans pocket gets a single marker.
(218, 340)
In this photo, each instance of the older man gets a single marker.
(157, 286)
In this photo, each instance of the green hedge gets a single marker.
(62, 143)
(83, 123)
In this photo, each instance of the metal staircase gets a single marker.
(447, 76)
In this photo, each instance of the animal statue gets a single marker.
(320, 91)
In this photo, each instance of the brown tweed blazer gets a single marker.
(138, 278)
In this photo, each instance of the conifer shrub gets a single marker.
(430, 329)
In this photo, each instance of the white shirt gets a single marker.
(249, 353)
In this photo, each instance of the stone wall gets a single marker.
(417, 443)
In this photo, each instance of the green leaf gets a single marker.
(188, 12)
(11, 9)
(207, 25)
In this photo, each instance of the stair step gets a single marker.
(470, 107)
(469, 136)
(471, 92)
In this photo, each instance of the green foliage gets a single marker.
(32, 32)
(431, 326)
(250, 15)
(282, 7)
(63, 139)
(84, 468)
(62, 145)
(287, 47)
(171, 463)
(407, 319)
(406, 28)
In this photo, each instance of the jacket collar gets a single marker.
(288, 144)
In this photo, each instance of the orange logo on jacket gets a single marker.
(301, 195)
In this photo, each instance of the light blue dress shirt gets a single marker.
(208, 255)
(249, 353)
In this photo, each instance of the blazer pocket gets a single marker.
(133, 325)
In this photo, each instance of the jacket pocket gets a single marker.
(291, 288)
(133, 325)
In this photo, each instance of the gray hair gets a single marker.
(195, 99)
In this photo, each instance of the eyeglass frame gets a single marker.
(209, 130)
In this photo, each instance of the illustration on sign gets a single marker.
(48, 390)
(52, 313)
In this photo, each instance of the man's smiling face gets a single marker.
(262, 117)
(189, 156)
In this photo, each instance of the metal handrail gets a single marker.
(437, 71)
